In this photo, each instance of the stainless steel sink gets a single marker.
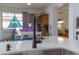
(56, 51)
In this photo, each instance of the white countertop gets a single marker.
(50, 42)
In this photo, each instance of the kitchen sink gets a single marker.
(55, 51)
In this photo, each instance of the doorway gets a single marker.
(62, 21)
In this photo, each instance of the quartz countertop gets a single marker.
(49, 42)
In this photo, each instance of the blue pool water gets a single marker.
(22, 39)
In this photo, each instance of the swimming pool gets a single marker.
(18, 39)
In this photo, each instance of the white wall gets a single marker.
(73, 13)
(8, 32)
(0, 27)
(51, 10)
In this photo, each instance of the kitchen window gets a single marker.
(7, 17)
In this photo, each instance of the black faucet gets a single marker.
(34, 34)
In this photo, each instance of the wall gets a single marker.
(0, 27)
(8, 33)
(51, 10)
(73, 13)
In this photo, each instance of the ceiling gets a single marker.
(24, 5)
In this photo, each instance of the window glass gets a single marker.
(8, 19)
